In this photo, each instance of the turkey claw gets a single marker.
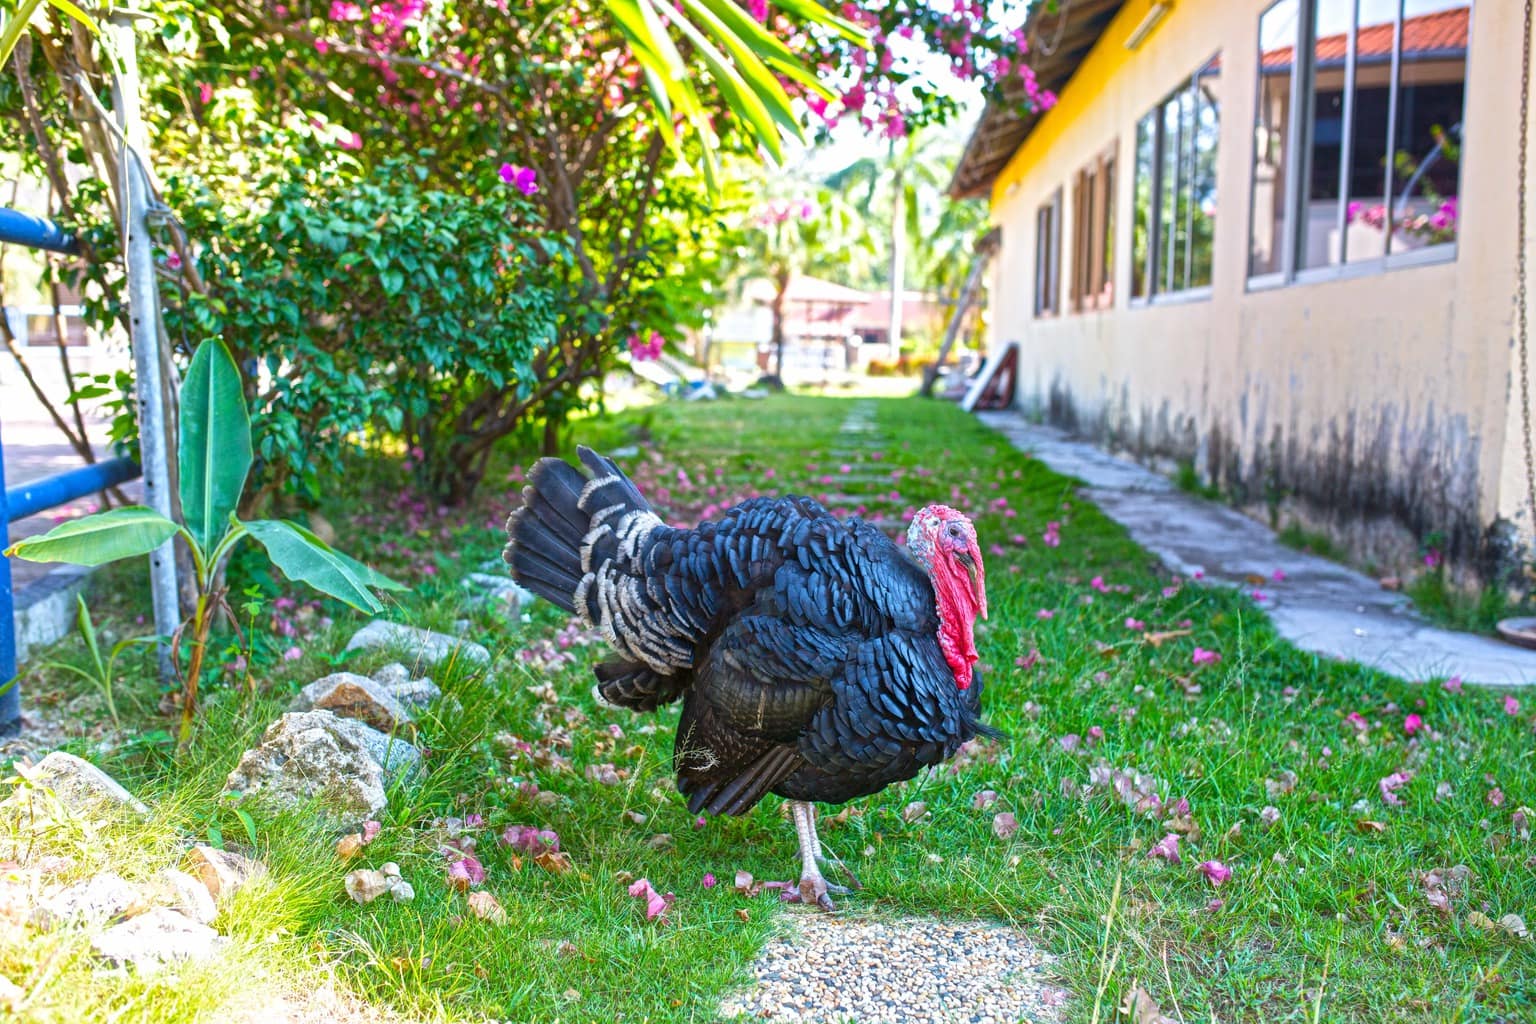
(813, 891)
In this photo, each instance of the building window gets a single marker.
(1048, 257)
(1173, 237)
(1376, 123)
(1093, 234)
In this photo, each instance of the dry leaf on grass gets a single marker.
(1141, 1008)
(486, 907)
(555, 863)
(1158, 639)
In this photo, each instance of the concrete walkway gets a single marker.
(1319, 605)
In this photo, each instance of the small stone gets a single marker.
(64, 780)
(315, 756)
(223, 872)
(392, 675)
(365, 885)
(156, 938)
(427, 648)
(96, 900)
(188, 895)
(400, 890)
(390, 869)
(416, 693)
(353, 696)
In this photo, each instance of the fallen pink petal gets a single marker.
(1216, 871)
(656, 904)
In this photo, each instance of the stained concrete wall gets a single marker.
(1377, 407)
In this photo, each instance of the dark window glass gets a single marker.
(1175, 229)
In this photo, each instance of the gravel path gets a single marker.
(835, 969)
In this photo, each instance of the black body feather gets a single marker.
(804, 648)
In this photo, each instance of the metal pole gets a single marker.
(10, 699)
(144, 323)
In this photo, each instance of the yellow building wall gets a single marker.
(1377, 407)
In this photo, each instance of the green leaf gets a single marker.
(310, 560)
(367, 573)
(15, 25)
(96, 540)
(215, 445)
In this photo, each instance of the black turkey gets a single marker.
(814, 658)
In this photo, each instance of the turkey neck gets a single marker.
(957, 621)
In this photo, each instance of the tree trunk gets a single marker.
(781, 286)
(898, 264)
(551, 444)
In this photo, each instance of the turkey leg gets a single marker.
(813, 888)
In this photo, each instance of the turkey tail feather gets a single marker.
(581, 542)
(544, 546)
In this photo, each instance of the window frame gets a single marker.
(1158, 277)
(1093, 226)
(1299, 135)
(1048, 258)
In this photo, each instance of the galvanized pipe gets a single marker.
(144, 324)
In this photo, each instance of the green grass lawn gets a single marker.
(1113, 727)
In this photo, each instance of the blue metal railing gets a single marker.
(38, 495)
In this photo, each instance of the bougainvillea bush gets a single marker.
(325, 163)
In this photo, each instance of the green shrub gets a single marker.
(372, 306)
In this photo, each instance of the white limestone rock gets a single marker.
(358, 697)
(96, 900)
(157, 938)
(426, 647)
(341, 764)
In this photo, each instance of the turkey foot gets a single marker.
(813, 888)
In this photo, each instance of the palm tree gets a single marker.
(804, 230)
(903, 193)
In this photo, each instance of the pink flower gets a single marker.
(1357, 720)
(709, 880)
(1412, 724)
(342, 11)
(204, 93)
(322, 45)
(1278, 576)
(655, 903)
(370, 831)
(1511, 706)
(1045, 613)
(1215, 870)
(1097, 583)
(525, 178)
(173, 260)
(1167, 849)
(353, 141)
(1452, 685)
(1029, 660)
(1052, 536)
(1201, 656)
(464, 871)
(530, 840)
(292, 654)
(1391, 784)
(1135, 625)
(1496, 797)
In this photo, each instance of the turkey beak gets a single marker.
(971, 559)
